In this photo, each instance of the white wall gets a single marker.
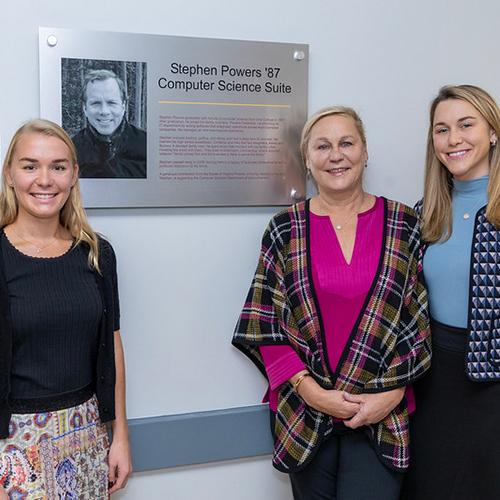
(184, 272)
(251, 479)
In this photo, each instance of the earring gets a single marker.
(493, 143)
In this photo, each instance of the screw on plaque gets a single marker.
(52, 40)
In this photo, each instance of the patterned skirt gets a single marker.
(56, 455)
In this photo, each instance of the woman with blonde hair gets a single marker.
(336, 319)
(454, 431)
(61, 361)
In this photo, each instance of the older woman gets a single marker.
(455, 430)
(336, 318)
(61, 357)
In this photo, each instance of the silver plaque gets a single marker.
(175, 121)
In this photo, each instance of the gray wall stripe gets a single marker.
(194, 438)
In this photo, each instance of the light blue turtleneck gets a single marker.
(447, 265)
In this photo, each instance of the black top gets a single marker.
(105, 359)
(120, 155)
(55, 309)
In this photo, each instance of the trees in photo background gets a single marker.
(73, 73)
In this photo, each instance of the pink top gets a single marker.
(340, 287)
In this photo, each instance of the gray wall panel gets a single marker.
(194, 438)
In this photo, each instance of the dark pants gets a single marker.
(346, 467)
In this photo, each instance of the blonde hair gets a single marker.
(436, 209)
(323, 113)
(72, 215)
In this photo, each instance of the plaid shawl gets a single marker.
(389, 346)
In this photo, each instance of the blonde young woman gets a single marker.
(61, 360)
(336, 319)
(455, 429)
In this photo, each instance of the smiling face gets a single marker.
(336, 155)
(104, 107)
(462, 139)
(41, 174)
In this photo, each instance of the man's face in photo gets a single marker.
(103, 106)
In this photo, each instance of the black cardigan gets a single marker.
(105, 369)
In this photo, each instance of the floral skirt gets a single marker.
(56, 455)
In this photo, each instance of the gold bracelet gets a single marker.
(299, 381)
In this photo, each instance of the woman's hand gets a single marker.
(3, 494)
(326, 401)
(120, 464)
(374, 407)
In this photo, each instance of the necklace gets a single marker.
(38, 248)
(340, 225)
(472, 211)
(470, 196)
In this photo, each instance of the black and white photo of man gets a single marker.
(108, 146)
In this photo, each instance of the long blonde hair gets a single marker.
(436, 210)
(72, 215)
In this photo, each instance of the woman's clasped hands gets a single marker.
(355, 410)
